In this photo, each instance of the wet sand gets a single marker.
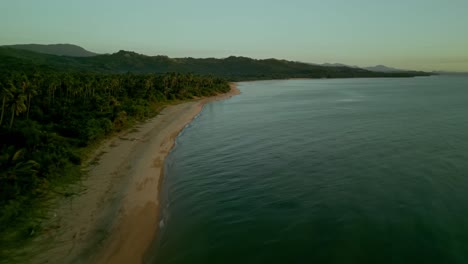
(115, 218)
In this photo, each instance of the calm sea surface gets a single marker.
(321, 171)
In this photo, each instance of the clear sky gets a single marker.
(416, 34)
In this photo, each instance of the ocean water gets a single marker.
(321, 171)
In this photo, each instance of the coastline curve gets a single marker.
(115, 218)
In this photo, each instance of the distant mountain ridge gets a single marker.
(55, 49)
(71, 50)
(337, 65)
(232, 68)
(383, 68)
(376, 68)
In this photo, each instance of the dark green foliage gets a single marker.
(232, 68)
(48, 117)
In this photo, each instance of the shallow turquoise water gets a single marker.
(322, 171)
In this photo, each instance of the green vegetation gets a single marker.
(232, 68)
(48, 118)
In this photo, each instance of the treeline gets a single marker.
(47, 118)
(247, 69)
(231, 68)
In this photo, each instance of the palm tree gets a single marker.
(17, 103)
(6, 95)
(53, 83)
(29, 89)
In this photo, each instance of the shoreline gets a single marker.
(116, 216)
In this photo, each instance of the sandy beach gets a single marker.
(115, 217)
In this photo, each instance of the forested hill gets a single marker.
(55, 49)
(231, 68)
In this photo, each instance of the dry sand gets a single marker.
(116, 217)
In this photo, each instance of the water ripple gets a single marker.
(322, 171)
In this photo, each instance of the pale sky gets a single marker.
(413, 34)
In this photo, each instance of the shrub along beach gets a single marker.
(49, 120)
